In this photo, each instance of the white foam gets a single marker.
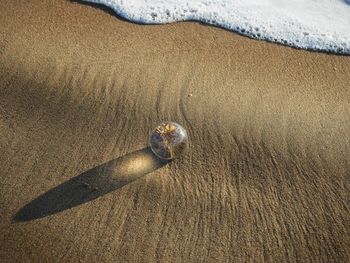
(322, 25)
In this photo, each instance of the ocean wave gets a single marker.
(322, 25)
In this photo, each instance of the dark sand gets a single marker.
(266, 175)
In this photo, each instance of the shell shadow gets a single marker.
(91, 184)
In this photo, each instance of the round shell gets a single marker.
(168, 140)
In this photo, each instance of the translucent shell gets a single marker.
(168, 140)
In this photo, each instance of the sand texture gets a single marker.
(265, 178)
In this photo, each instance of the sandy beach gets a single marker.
(265, 178)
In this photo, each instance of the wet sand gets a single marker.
(266, 177)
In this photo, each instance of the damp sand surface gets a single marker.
(265, 177)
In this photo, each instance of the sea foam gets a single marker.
(322, 25)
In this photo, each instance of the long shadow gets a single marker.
(91, 184)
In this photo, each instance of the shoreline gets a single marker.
(298, 34)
